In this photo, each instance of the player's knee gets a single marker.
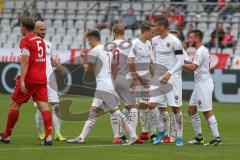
(208, 114)
(143, 106)
(151, 105)
(14, 105)
(192, 110)
(129, 107)
(162, 109)
(176, 110)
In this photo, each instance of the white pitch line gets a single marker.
(85, 146)
(64, 147)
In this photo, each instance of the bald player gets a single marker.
(120, 52)
(53, 98)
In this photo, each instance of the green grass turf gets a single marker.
(24, 142)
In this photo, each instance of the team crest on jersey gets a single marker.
(176, 98)
(48, 46)
(168, 44)
(199, 102)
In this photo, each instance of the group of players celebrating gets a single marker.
(145, 74)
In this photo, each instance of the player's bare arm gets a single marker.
(190, 67)
(135, 75)
(24, 67)
(88, 67)
(151, 67)
(57, 65)
(180, 61)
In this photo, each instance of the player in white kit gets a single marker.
(172, 129)
(139, 59)
(120, 49)
(201, 99)
(53, 98)
(105, 97)
(168, 55)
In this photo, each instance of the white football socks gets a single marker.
(133, 118)
(92, 118)
(212, 122)
(125, 123)
(144, 119)
(164, 122)
(39, 121)
(115, 126)
(196, 122)
(173, 126)
(126, 113)
(155, 119)
(179, 123)
(56, 118)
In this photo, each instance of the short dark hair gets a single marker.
(198, 33)
(146, 27)
(175, 32)
(94, 33)
(161, 20)
(28, 23)
(118, 28)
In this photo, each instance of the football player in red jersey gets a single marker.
(32, 81)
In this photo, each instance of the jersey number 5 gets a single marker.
(40, 49)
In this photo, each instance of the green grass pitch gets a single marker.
(24, 142)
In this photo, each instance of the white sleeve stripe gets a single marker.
(25, 51)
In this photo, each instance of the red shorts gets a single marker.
(37, 92)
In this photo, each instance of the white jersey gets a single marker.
(165, 50)
(202, 59)
(120, 56)
(49, 68)
(102, 68)
(185, 55)
(141, 52)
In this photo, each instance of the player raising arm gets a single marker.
(105, 97)
(201, 99)
(31, 83)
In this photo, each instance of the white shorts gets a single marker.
(52, 89)
(170, 95)
(202, 97)
(105, 100)
(122, 86)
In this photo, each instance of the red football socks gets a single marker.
(13, 115)
(47, 119)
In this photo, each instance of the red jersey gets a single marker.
(34, 46)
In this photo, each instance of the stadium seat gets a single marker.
(61, 5)
(20, 4)
(57, 39)
(82, 5)
(227, 51)
(41, 5)
(79, 24)
(5, 22)
(10, 4)
(61, 31)
(51, 31)
(213, 50)
(72, 5)
(57, 23)
(202, 26)
(72, 31)
(51, 5)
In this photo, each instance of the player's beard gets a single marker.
(193, 44)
